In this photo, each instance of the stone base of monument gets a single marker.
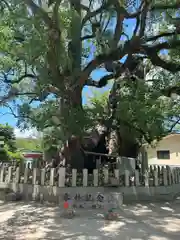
(108, 201)
(99, 202)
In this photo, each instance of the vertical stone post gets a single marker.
(127, 175)
(146, 178)
(62, 176)
(155, 176)
(34, 176)
(26, 175)
(106, 176)
(52, 177)
(176, 175)
(2, 174)
(85, 177)
(173, 176)
(74, 177)
(95, 178)
(9, 174)
(137, 182)
(165, 180)
(17, 176)
(43, 174)
(169, 175)
(116, 174)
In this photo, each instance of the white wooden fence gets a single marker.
(62, 177)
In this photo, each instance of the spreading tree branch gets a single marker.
(26, 75)
(90, 14)
(15, 115)
(86, 37)
(38, 10)
(165, 6)
(161, 35)
(13, 93)
(131, 46)
(119, 23)
(99, 60)
(101, 83)
(174, 125)
(137, 26)
(143, 19)
(105, 6)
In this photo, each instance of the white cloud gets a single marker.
(31, 133)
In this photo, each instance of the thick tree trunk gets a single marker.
(71, 111)
(71, 103)
(76, 142)
(125, 146)
(129, 149)
(113, 143)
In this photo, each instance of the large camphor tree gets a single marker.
(50, 49)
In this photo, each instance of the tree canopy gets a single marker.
(50, 51)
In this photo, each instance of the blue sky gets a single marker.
(6, 117)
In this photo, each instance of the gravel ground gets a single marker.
(22, 221)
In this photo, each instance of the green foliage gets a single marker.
(4, 157)
(29, 144)
(16, 156)
(52, 140)
(141, 109)
(7, 133)
(97, 108)
(144, 110)
(9, 151)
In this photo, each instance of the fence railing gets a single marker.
(64, 177)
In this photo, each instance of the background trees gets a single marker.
(8, 150)
(51, 50)
(29, 143)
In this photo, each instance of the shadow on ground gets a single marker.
(22, 221)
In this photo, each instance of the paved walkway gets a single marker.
(22, 221)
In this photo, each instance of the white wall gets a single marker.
(171, 143)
